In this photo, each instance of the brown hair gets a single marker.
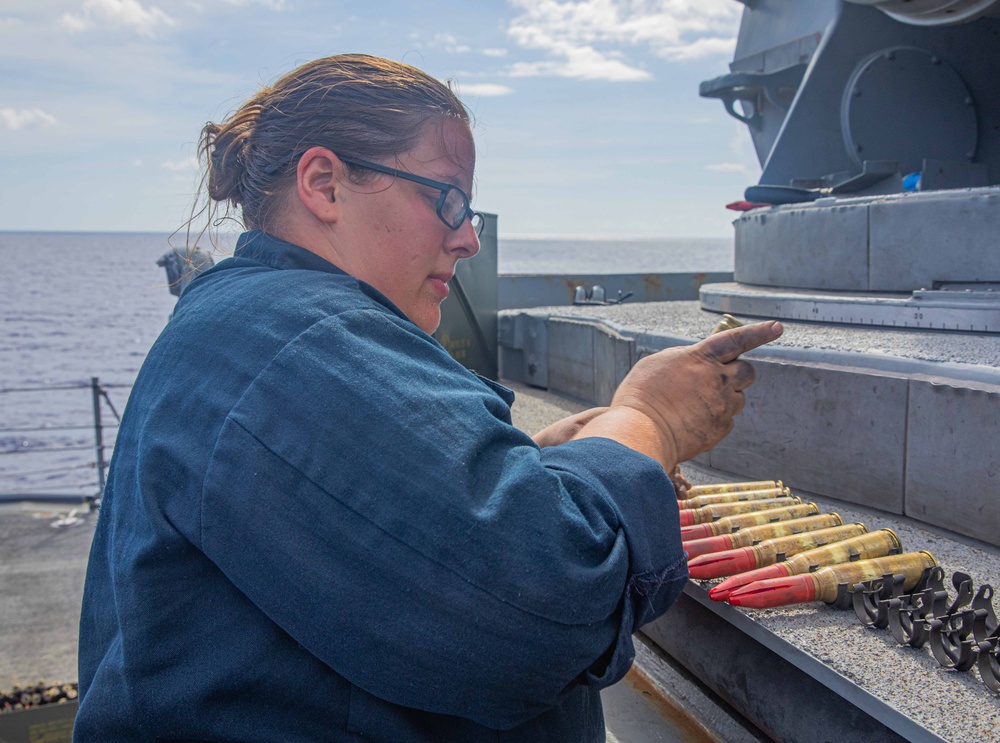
(358, 105)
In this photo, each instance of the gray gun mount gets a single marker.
(838, 95)
(876, 125)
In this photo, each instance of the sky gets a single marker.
(587, 115)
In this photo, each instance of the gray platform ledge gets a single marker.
(872, 243)
(864, 416)
(762, 676)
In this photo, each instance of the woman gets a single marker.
(317, 526)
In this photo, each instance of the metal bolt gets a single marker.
(970, 154)
(532, 369)
(857, 92)
(858, 148)
(890, 55)
(935, 59)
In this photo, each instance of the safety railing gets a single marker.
(51, 448)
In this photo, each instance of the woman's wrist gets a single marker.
(636, 430)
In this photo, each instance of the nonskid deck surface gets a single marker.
(688, 320)
(42, 570)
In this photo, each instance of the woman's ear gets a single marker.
(318, 181)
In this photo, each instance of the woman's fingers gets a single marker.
(741, 374)
(729, 344)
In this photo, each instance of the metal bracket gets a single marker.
(750, 86)
(908, 612)
(950, 627)
(986, 629)
(596, 295)
(872, 597)
(962, 633)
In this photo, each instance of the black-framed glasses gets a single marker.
(453, 205)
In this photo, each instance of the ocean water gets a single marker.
(80, 305)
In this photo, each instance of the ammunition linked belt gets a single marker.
(963, 632)
(34, 695)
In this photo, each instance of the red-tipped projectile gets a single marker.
(762, 594)
(824, 584)
(707, 545)
(718, 564)
(724, 590)
(770, 551)
(860, 547)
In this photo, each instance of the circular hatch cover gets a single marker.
(908, 105)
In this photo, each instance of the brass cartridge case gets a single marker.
(751, 535)
(729, 524)
(728, 322)
(750, 560)
(876, 544)
(732, 487)
(880, 543)
(775, 550)
(910, 565)
(713, 499)
(706, 514)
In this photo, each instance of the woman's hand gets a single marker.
(680, 402)
(563, 430)
(680, 483)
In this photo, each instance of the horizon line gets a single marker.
(502, 236)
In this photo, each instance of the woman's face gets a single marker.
(390, 233)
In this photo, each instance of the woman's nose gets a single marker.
(464, 240)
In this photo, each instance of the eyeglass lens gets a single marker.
(455, 208)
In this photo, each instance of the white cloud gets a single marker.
(586, 37)
(117, 13)
(26, 118)
(447, 42)
(484, 89)
(700, 48)
(184, 164)
(584, 63)
(742, 158)
(727, 168)
(272, 4)
(494, 52)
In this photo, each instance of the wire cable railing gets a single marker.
(19, 484)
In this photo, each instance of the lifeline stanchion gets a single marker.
(95, 389)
